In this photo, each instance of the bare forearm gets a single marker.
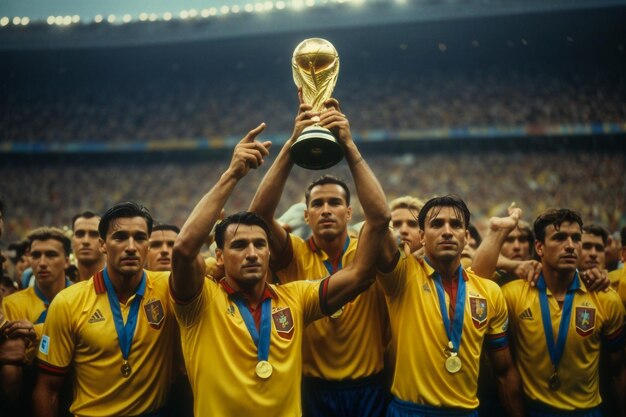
(510, 393)
(487, 254)
(11, 383)
(368, 189)
(45, 402)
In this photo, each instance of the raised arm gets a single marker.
(368, 188)
(270, 190)
(487, 254)
(349, 282)
(187, 264)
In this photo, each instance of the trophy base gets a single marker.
(316, 148)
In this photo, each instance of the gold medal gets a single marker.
(126, 369)
(554, 382)
(263, 369)
(453, 364)
(337, 313)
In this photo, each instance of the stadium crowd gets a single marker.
(195, 106)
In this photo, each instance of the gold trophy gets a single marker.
(315, 66)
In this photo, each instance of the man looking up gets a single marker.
(256, 328)
(114, 333)
(86, 245)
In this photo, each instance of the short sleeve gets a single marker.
(499, 321)
(311, 298)
(394, 282)
(56, 348)
(613, 337)
(286, 266)
(187, 313)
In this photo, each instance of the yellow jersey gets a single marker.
(420, 338)
(596, 321)
(79, 335)
(333, 347)
(618, 282)
(221, 356)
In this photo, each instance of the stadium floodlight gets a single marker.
(212, 11)
(193, 13)
(167, 16)
(310, 3)
(235, 9)
(98, 18)
(268, 5)
(58, 20)
(67, 20)
(258, 7)
(224, 10)
(280, 5)
(205, 13)
(4, 21)
(75, 18)
(49, 20)
(297, 4)
(25, 20)
(184, 14)
(249, 8)
(126, 18)
(112, 18)
(143, 16)
(17, 20)
(153, 17)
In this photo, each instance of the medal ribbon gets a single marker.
(46, 303)
(454, 331)
(125, 332)
(556, 351)
(262, 340)
(329, 266)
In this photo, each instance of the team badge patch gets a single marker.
(154, 313)
(283, 321)
(478, 307)
(585, 320)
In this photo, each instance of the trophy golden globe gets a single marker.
(315, 66)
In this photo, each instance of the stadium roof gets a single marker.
(36, 24)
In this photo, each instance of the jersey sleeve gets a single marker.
(312, 293)
(187, 313)
(56, 348)
(394, 282)
(613, 337)
(499, 320)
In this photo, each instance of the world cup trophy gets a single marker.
(315, 66)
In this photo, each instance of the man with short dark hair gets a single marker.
(559, 327)
(619, 275)
(86, 245)
(340, 377)
(254, 327)
(594, 241)
(454, 311)
(160, 247)
(113, 333)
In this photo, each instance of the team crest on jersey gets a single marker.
(478, 307)
(585, 320)
(283, 322)
(154, 313)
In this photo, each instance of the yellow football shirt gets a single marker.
(333, 348)
(79, 336)
(220, 355)
(596, 320)
(26, 305)
(618, 282)
(420, 338)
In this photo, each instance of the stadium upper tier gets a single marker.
(215, 110)
(31, 24)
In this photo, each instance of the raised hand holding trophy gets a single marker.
(315, 66)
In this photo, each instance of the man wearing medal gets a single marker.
(559, 327)
(114, 333)
(242, 336)
(441, 314)
(340, 376)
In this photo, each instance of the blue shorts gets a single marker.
(399, 408)
(365, 397)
